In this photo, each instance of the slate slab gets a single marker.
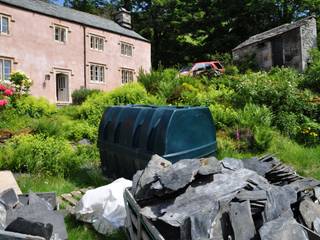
(9, 198)
(309, 212)
(8, 181)
(283, 228)
(241, 220)
(40, 213)
(21, 225)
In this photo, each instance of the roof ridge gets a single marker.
(286, 27)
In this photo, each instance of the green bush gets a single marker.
(262, 138)
(80, 95)
(312, 75)
(34, 107)
(50, 126)
(39, 155)
(78, 130)
(92, 109)
(253, 115)
(223, 116)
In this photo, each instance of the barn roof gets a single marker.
(274, 32)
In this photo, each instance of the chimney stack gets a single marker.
(123, 18)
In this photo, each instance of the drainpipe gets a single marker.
(85, 56)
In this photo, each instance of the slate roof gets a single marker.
(72, 15)
(274, 32)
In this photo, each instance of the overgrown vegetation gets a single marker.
(254, 113)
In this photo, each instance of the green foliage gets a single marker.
(312, 76)
(92, 109)
(253, 115)
(39, 154)
(34, 107)
(80, 95)
(223, 116)
(262, 138)
(77, 130)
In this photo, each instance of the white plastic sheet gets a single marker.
(104, 206)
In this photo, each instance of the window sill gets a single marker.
(99, 83)
(96, 50)
(61, 43)
(122, 55)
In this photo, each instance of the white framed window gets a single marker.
(126, 49)
(96, 43)
(97, 73)
(5, 69)
(126, 75)
(4, 24)
(60, 34)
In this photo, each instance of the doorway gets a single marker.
(62, 83)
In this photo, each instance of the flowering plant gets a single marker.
(21, 82)
(5, 95)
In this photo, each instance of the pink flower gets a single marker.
(3, 102)
(2, 88)
(8, 92)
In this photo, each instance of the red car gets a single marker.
(212, 68)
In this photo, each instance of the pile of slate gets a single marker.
(31, 216)
(258, 198)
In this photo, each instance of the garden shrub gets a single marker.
(262, 138)
(39, 155)
(78, 130)
(80, 95)
(288, 123)
(21, 82)
(223, 116)
(11, 121)
(92, 109)
(34, 107)
(309, 133)
(252, 115)
(50, 126)
(312, 75)
(277, 89)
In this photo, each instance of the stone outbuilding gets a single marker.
(287, 45)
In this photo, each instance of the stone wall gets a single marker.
(309, 40)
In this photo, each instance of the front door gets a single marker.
(62, 87)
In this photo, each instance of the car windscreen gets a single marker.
(219, 66)
(186, 69)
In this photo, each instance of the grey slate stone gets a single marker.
(84, 142)
(316, 225)
(40, 213)
(209, 166)
(309, 212)
(23, 226)
(201, 222)
(195, 199)
(279, 200)
(256, 165)
(9, 198)
(3, 216)
(142, 180)
(35, 199)
(283, 228)
(241, 220)
(179, 175)
(232, 163)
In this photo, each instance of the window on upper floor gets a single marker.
(60, 34)
(5, 68)
(126, 49)
(4, 24)
(97, 74)
(126, 75)
(96, 43)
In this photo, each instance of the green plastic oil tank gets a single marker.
(130, 135)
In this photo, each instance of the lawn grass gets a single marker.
(85, 178)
